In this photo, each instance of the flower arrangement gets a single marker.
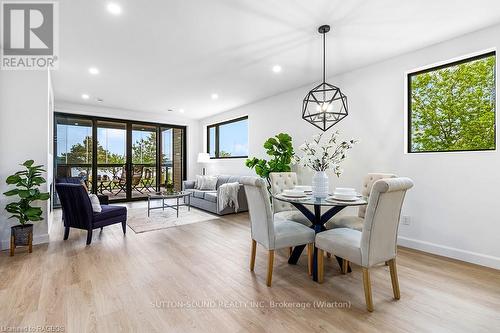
(321, 156)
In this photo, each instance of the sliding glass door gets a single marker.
(122, 159)
(73, 146)
(172, 158)
(111, 179)
(144, 153)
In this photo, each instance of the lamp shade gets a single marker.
(203, 158)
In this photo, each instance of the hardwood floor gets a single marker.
(140, 282)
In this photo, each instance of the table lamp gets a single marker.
(203, 158)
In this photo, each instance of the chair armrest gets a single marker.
(188, 184)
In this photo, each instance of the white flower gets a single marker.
(323, 156)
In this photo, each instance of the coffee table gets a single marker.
(167, 195)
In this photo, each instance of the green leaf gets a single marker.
(38, 180)
(28, 163)
(14, 179)
(33, 212)
(44, 196)
(24, 194)
(11, 192)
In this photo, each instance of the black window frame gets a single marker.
(216, 126)
(128, 122)
(435, 68)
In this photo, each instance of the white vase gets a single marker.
(320, 185)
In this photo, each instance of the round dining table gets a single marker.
(317, 218)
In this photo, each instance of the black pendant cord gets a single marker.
(324, 71)
(324, 57)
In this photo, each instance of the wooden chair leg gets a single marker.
(345, 266)
(328, 255)
(310, 257)
(368, 289)
(12, 246)
(394, 278)
(252, 255)
(321, 268)
(270, 268)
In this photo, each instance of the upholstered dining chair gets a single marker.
(281, 181)
(356, 221)
(78, 213)
(376, 243)
(269, 232)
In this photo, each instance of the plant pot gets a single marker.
(21, 235)
(320, 185)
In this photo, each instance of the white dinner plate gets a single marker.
(343, 199)
(294, 195)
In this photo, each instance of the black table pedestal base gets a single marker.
(318, 224)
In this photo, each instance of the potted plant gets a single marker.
(321, 156)
(280, 148)
(27, 182)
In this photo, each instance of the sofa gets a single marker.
(207, 200)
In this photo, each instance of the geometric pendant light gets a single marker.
(325, 105)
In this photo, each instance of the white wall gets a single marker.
(452, 206)
(192, 131)
(24, 134)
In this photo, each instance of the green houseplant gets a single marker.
(280, 149)
(27, 188)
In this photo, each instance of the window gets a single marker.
(122, 159)
(452, 107)
(228, 139)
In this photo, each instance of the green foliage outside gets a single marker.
(280, 149)
(454, 108)
(143, 152)
(27, 184)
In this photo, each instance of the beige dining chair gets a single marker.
(281, 181)
(376, 243)
(272, 233)
(356, 221)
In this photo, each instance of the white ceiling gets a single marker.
(174, 54)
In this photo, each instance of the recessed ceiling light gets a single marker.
(99, 100)
(85, 96)
(214, 96)
(277, 68)
(114, 8)
(181, 110)
(93, 70)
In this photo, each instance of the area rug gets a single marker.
(139, 221)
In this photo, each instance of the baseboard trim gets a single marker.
(450, 252)
(38, 239)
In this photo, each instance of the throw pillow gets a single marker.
(96, 205)
(209, 183)
(199, 182)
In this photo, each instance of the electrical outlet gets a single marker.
(405, 220)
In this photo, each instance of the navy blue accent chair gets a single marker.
(78, 213)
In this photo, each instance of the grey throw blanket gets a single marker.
(228, 194)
